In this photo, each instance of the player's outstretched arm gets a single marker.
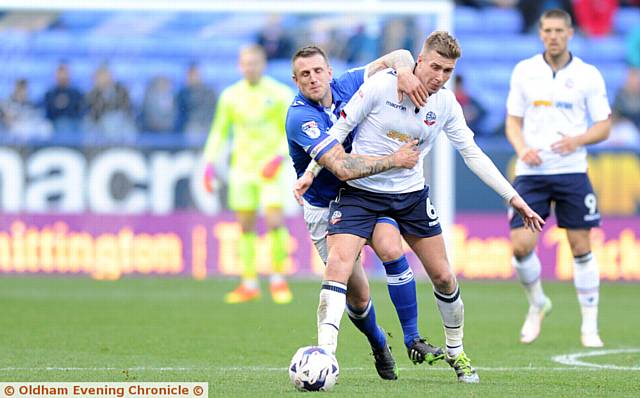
(487, 171)
(531, 219)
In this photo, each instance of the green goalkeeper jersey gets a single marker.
(254, 118)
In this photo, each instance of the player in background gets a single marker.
(384, 124)
(252, 112)
(314, 110)
(551, 99)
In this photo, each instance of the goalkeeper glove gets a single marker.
(209, 177)
(271, 169)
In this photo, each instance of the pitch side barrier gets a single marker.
(75, 206)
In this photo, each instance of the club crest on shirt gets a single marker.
(430, 118)
(336, 217)
(311, 129)
(568, 83)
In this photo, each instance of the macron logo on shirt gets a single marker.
(396, 106)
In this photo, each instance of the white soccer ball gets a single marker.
(313, 369)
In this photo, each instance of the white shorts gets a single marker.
(317, 221)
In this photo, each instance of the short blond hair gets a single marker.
(443, 43)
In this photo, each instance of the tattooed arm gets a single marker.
(397, 59)
(349, 166)
(408, 83)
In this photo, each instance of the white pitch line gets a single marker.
(572, 359)
(275, 369)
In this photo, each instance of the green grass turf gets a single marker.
(130, 330)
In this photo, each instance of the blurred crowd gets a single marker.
(106, 110)
(170, 107)
(593, 17)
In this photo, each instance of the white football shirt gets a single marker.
(553, 106)
(384, 125)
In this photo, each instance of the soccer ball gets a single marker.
(313, 369)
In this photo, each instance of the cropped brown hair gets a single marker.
(309, 51)
(443, 43)
(556, 13)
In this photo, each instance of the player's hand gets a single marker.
(565, 145)
(407, 156)
(209, 176)
(530, 156)
(409, 84)
(301, 186)
(271, 169)
(531, 219)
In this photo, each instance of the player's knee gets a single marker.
(390, 251)
(579, 248)
(444, 282)
(520, 251)
(339, 259)
(339, 267)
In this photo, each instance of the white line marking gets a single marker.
(276, 369)
(572, 359)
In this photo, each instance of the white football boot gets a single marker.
(531, 327)
(591, 340)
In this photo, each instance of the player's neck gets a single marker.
(327, 101)
(253, 82)
(559, 61)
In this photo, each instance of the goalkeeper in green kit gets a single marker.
(252, 114)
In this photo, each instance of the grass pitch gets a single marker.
(180, 330)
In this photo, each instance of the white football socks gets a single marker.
(333, 300)
(452, 313)
(586, 278)
(529, 271)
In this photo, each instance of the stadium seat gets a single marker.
(466, 21)
(14, 42)
(500, 20)
(81, 20)
(605, 49)
(625, 19)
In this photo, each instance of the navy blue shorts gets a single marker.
(356, 211)
(576, 206)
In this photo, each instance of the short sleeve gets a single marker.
(363, 101)
(597, 101)
(516, 100)
(351, 80)
(310, 133)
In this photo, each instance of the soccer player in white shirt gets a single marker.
(385, 124)
(551, 98)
